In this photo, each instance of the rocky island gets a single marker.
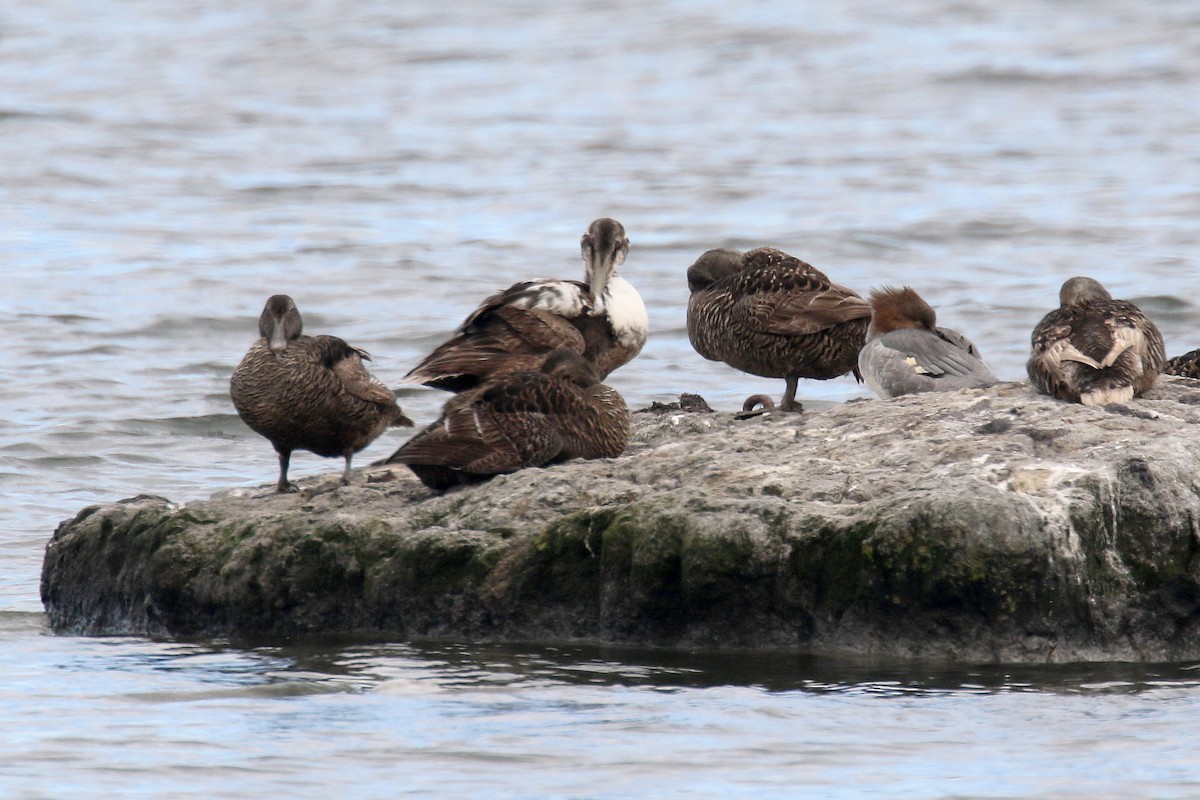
(986, 525)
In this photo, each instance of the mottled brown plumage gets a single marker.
(309, 392)
(518, 420)
(498, 337)
(1093, 349)
(1185, 366)
(602, 317)
(771, 314)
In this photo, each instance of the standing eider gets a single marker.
(309, 392)
(771, 314)
(602, 317)
(518, 420)
(906, 352)
(1093, 349)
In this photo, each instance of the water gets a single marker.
(164, 167)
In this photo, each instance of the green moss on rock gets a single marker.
(909, 532)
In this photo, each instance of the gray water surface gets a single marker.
(164, 167)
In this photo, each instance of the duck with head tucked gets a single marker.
(906, 352)
(517, 420)
(602, 317)
(772, 315)
(309, 392)
(1093, 349)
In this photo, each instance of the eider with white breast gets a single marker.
(1093, 349)
(309, 392)
(906, 352)
(517, 420)
(603, 318)
(770, 314)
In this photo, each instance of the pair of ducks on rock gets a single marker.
(770, 314)
(526, 369)
(763, 312)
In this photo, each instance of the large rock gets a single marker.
(985, 525)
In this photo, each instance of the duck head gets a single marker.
(893, 309)
(569, 365)
(1080, 290)
(712, 266)
(280, 323)
(604, 247)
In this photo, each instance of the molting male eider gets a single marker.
(517, 420)
(309, 392)
(1186, 365)
(906, 352)
(771, 314)
(603, 318)
(1093, 349)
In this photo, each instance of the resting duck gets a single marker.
(906, 352)
(309, 392)
(770, 314)
(1185, 366)
(1093, 349)
(518, 420)
(603, 318)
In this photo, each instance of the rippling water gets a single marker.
(164, 167)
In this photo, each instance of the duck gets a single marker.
(1185, 366)
(1093, 349)
(309, 392)
(516, 420)
(770, 314)
(907, 352)
(602, 318)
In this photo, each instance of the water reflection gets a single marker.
(578, 720)
(449, 665)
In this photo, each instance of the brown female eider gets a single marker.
(602, 317)
(1185, 366)
(1093, 349)
(309, 392)
(906, 352)
(517, 420)
(771, 314)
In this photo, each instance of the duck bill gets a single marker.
(278, 341)
(598, 281)
(604, 248)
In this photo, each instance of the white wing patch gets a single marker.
(1063, 350)
(917, 368)
(1124, 339)
(564, 298)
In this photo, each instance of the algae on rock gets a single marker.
(989, 524)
